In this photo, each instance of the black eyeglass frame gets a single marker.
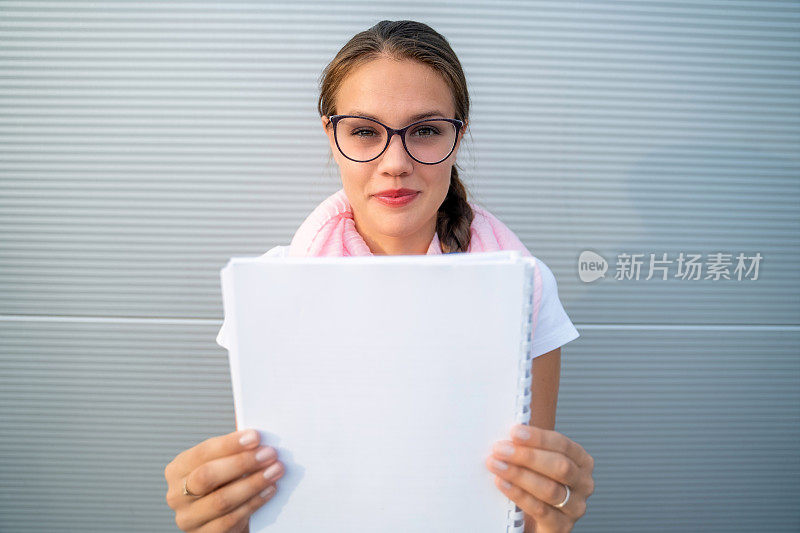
(334, 119)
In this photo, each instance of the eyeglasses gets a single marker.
(363, 139)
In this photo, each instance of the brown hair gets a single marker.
(407, 39)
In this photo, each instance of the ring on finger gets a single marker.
(558, 505)
(186, 491)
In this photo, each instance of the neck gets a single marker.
(416, 244)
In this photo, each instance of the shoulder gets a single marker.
(548, 279)
(318, 225)
(483, 217)
(545, 285)
(277, 251)
(490, 233)
(552, 326)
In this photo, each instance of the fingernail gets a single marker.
(269, 491)
(500, 465)
(264, 454)
(504, 448)
(505, 484)
(522, 432)
(248, 438)
(272, 471)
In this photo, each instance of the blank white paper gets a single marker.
(382, 381)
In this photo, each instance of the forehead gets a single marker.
(394, 91)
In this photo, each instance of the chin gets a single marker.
(400, 227)
(395, 231)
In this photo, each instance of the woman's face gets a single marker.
(394, 92)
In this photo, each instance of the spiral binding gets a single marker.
(515, 516)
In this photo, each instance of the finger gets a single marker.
(207, 477)
(214, 448)
(547, 517)
(537, 437)
(230, 497)
(536, 485)
(238, 519)
(553, 465)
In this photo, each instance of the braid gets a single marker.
(454, 218)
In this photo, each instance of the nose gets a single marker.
(395, 160)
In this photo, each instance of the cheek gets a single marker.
(437, 184)
(443, 180)
(356, 182)
(353, 174)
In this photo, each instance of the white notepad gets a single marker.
(383, 382)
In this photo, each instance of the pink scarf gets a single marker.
(330, 231)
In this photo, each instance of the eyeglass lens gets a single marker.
(363, 139)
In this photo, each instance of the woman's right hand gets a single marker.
(230, 477)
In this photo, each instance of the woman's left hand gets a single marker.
(536, 467)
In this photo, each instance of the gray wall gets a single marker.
(143, 144)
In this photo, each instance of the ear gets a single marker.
(327, 127)
(461, 133)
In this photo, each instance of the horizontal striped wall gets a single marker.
(142, 144)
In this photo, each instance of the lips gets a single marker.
(398, 197)
(396, 193)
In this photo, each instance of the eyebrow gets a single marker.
(414, 118)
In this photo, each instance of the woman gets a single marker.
(401, 195)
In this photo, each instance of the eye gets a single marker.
(426, 131)
(363, 132)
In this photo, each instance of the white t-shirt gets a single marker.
(553, 327)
